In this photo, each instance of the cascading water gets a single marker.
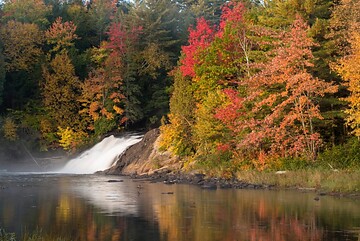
(101, 156)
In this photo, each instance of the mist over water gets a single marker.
(101, 156)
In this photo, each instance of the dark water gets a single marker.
(88, 207)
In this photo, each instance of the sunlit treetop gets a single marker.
(27, 11)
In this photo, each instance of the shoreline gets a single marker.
(145, 161)
(213, 183)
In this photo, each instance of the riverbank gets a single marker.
(321, 183)
(144, 161)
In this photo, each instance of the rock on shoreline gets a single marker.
(144, 158)
(211, 183)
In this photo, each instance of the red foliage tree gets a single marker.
(199, 39)
(120, 38)
(232, 15)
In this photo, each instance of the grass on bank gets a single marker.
(342, 181)
(37, 235)
(337, 169)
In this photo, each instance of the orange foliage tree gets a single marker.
(102, 96)
(61, 35)
(282, 100)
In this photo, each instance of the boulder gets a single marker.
(145, 158)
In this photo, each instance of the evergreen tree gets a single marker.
(154, 56)
(101, 12)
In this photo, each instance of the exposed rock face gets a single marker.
(145, 158)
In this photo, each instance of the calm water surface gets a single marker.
(88, 207)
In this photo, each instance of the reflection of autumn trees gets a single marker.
(244, 215)
(61, 216)
(189, 214)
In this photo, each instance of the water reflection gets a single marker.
(91, 208)
(253, 215)
(111, 198)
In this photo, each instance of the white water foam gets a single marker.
(101, 156)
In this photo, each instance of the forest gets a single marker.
(253, 84)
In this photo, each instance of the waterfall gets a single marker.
(101, 156)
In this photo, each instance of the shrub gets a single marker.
(345, 156)
(10, 129)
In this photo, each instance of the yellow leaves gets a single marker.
(99, 55)
(9, 129)
(171, 134)
(70, 139)
(348, 68)
(118, 110)
(66, 136)
(208, 130)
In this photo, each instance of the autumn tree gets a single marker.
(348, 68)
(344, 22)
(100, 95)
(199, 38)
(27, 11)
(61, 86)
(176, 135)
(344, 36)
(284, 101)
(212, 60)
(103, 94)
(61, 35)
(21, 55)
(222, 64)
(60, 91)
(22, 45)
(22, 23)
(280, 15)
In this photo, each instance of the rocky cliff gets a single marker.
(145, 158)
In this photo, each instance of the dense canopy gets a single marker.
(246, 83)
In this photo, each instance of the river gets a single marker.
(96, 207)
